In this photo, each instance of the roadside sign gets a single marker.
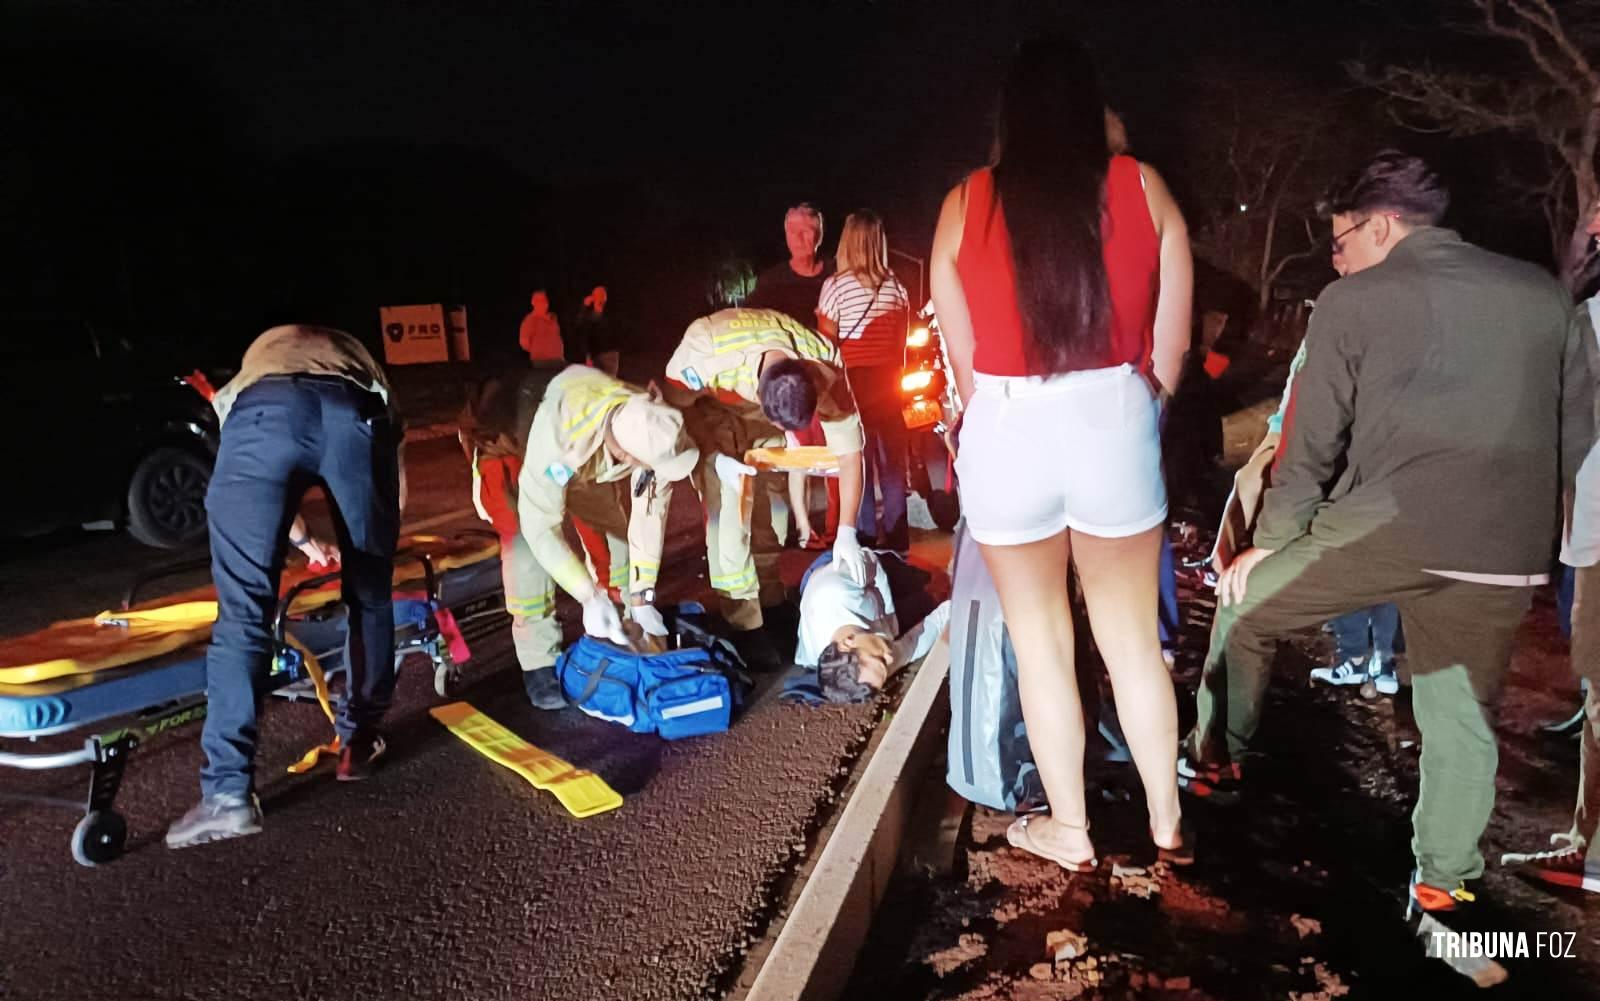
(414, 335)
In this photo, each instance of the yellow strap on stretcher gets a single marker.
(582, 792)
(319, 681)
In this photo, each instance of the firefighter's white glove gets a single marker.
(648, 619)
(600, 618)
(849, 557)
(730, 469)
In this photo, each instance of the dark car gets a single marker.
(98, 433)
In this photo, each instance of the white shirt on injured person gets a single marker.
(831, 600)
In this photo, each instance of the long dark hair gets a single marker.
(1049, 174)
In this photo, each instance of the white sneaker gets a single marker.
(1383, 675)
(1564, 865)
(1349, 672)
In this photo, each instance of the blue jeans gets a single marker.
(877, 390)
(1167, 606)
(1564, 588)
(284, 434)
(1369, 630)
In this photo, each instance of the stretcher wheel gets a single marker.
(445, 675)
(99, 838)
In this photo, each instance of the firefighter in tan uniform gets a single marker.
(743, 377)
(590, 434)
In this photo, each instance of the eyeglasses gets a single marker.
(1337, 243)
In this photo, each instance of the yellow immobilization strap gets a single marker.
(319, 681)
(582, 792)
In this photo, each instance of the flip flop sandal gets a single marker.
(1017, 836)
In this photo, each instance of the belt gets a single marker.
(316, 378)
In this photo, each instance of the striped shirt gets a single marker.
(872, 328)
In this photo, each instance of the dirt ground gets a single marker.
(1299, 890)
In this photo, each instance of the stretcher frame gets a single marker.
(101, 834)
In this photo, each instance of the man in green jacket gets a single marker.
(1444, 400)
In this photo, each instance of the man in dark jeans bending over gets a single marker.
(308, 405)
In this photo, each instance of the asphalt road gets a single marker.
(445, 876)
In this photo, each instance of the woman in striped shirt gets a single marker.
(864, 307)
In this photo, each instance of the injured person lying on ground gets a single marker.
(850, 643)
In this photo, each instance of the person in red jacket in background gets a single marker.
(540, 333)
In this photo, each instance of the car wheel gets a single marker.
(167, 499)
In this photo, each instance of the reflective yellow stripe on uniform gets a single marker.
(532, 608)
(807, 343)
(733, 378)
(591, 412)
(619, 576)
(735, 582)
(477, 490)
(645, 571)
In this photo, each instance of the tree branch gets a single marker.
(1550, 25)
(1542, 15)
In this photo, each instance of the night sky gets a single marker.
(201, 168)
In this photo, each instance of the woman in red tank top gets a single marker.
(1062, 279)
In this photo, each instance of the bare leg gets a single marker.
(1032, 583)
(1120, 588)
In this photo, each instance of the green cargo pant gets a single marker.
(1458, 635)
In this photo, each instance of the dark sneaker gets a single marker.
(1349, 672)
(215, 818)
(757, 650)
(1451, 925)
(1204, 779)
(1563, 865)
(358, 758)
(544, 691)
(781, 615)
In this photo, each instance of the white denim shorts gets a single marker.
(1039, 454)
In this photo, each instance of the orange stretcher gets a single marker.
(817, 460)
(144, 665)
